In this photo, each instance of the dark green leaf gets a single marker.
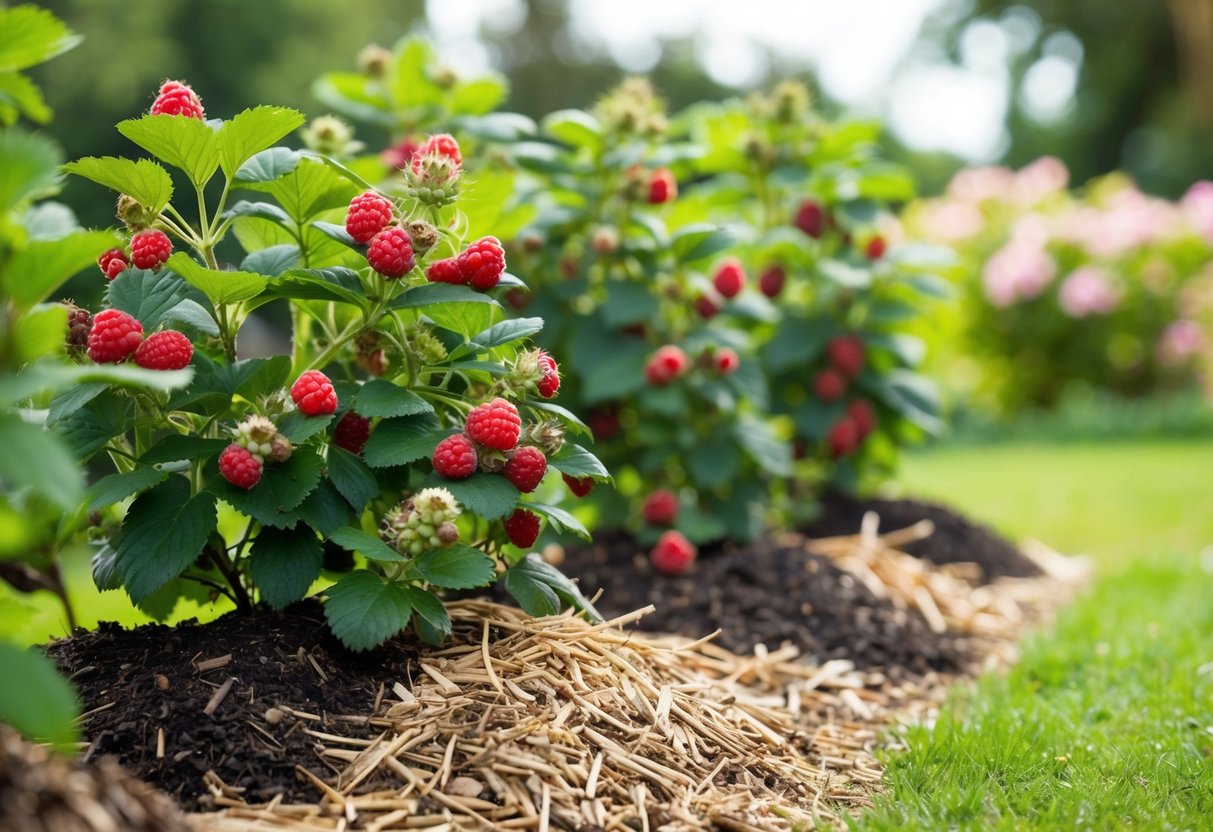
(283, 486)
(576, 461)
(356, 540)
(338, 233)
(272, 261)
(628, 303)
(561, 520)
(508, 332)
(382, 398)
(455, 567)
(284, 564)
(105, 569)
(352, 478)
(364, 611)
(539, 588)
(72, 399)
(431, 617)
(324, 509)
(489, 495)
(269, 165)
(117, 487)
(434, 293)
(298, 427)
(264, 210)
(181, 446)
(164, 531)
(152, 297)
(401, 441)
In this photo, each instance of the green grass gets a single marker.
(1106, 723)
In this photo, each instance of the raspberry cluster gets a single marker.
(425, 521)
(480, 266)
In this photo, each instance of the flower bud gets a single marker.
(374, 60)
(133, 215)
(423, 236)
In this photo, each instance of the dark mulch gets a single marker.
(149, 679)
(957, 539)
(768, 592)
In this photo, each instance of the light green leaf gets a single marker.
(455, 567)
(371, 547)
(479, 96)
(695, 242)
(364, 611)
(30, 36)
(164, 531)
(31, 166)
(573, 127)
(253, 131)
(44, 265)
(39, 333)
(507, 332)
(219, 287)
(188, 144)
(34, 698)
(144, 180)
(117, 487)
(21, 96)
(35, 458)
(269, 165)
(284, 564)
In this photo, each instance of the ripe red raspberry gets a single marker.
(391, 252)
(843, 438)
(150, 248)
(673, 554)
(495, 425)
(730, 278)
(313, 394)
(442, 144)
(455, 458)
(114, 336)
(829, 385)
(667, 364)
(369, 214)
(771, 281)
(726, 360)
(525, 468)
(483, 263)
(811, 218)
(178, 99)
(167, 350)
(115, 259)
(663, 187)
(863, 415)
(876, 247)
(445, 271)
(351, 432)
(708, 305)
(660, 508)
(580, 486)
(847, 354)
(522, 528)
(239, 467)
(549, 382)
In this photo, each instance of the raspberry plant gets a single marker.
(333, 449)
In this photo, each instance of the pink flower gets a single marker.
(1034, 182)
(1198, 206)
(1087, 291)
(1016, 272)
(980, 184)
(947, 221)
(1181, 341)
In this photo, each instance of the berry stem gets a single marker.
(231, 574)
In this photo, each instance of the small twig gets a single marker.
(218, 696)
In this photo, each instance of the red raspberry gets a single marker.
(369, 214)
(667, 364)
(876, 247)
(580, 486)
(730, 278)
(603, 422)
(445, 271)
(167, 350)
(771, 281)
(495, 425)
(351, 432)
(525, 468)
(708, 305)
(482, 263)
(549, 382)
(391, 252)
(518, 299)
(663, 187)
(811, 218)
(843, 438)
(863, 415)
(313, 394)
(239, 467)
(79, 323)
(113, 337)
(522, 528)
(150, 248)
(726, 360)
(178, 99)
(847, 354)
(442, 144)
(455, 457)
(673, 554)
(114, 258)
(829, 385)
(398, 155)
(661, 508)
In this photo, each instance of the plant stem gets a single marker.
(232, 576)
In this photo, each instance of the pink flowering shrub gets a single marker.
(1105, 286)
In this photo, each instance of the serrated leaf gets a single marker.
(371, 547)
(179, 446)
(188, 144)
(269, 165)
(220, 287)
(117, 487)
(539, 588)
(507, 332)
(34, 698)
(144, 180)
(283, 486)
(272, 261)
(284, 564)
(382, 398)
(335, 284)
(430, 294)
(576, 461)
(364, 611)
(89, 429)
(151, 297)
(561, 520)
(105, 569)
(401, 441)
(38, 459)
(163, 532)
(429, 614)
(488, 495)
(72, 399)
(351, 478)
(252, 131)
(307, 190)
(298, 427)
(455, 567)
(324, 509)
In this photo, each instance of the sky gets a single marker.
(856, 50)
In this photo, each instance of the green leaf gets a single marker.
(307, 190)
(272, 261)
(430, 616)
(269, 165)
(564, 414)
(371, 547)
(252, 131)
(251, 378)
(44, 265)
(72, 399)
(34, 698)
(539, 588)
(507, 332)
(178, 446)
(352, 478)
(408, 78)
(117, 487)
(21, 96)
(335, 284)
(30, 36)
(364, 611)
(31, 167)
(188, 144)
(700, 240)
(144, 180)
(38, 333)
(264, 210)
(913, 396)
(628, 303)
(456, 567)
(220, 287)
(283, 486)
(488, 495)
(153, 297)
(298, 427)
(845, 275)
(164, 531)
(479, 96)
(576, 461)
(382, 398)
(797, 342)
(763, 446)
(105, 569)
(284, 564)
(561, 520)
(573, 127)
(435, 293)
(713, 463)
(401, 441)
(324, 509)
(39, 460)
(338, 233)
(89, 429)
